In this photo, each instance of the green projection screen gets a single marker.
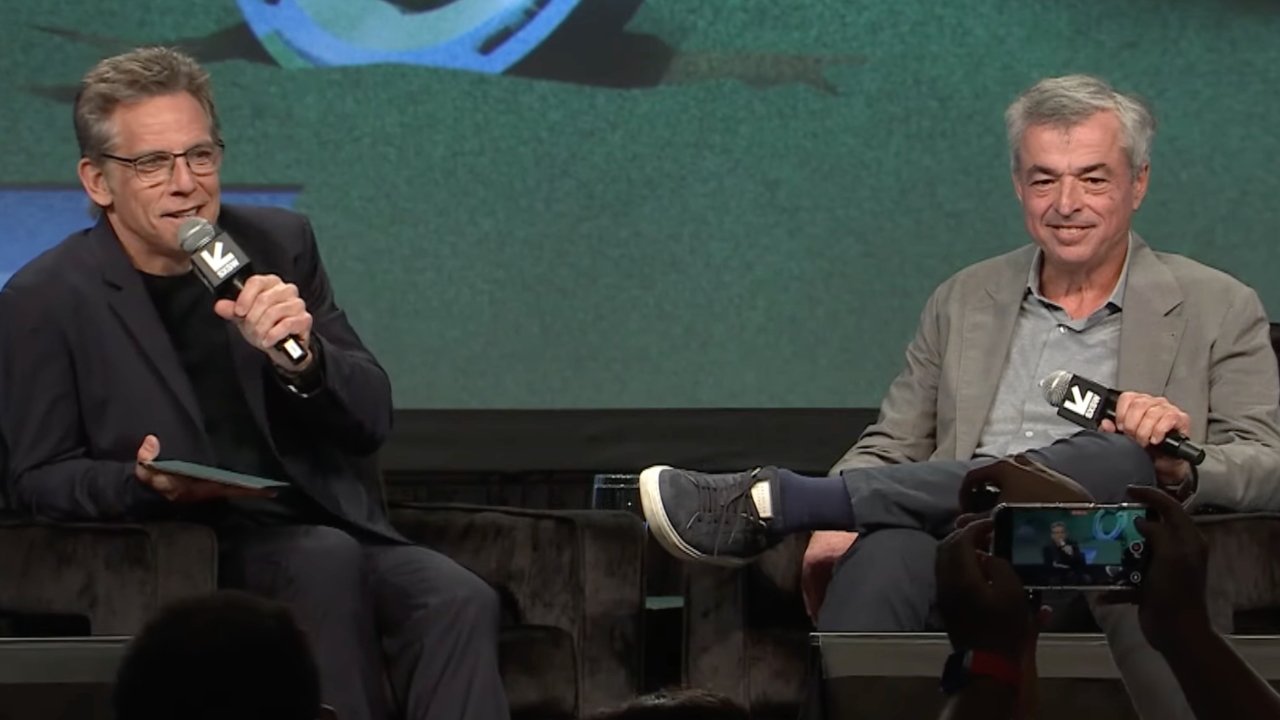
(574, 204)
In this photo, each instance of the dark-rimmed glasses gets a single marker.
(157, 167)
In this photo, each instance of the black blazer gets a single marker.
(87, 370)
(1055, 556)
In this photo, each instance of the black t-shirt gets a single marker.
(203, 344)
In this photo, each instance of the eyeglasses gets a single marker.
(157, 167)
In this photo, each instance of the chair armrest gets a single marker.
(116, 575)
(1243, 574)
(579, 570)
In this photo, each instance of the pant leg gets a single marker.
(319, 572)
(918, 496)
(885, 583)
(1155, 692)
(925, 496)
(439, 626)
(1103, 463)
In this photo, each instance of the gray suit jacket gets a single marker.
(1190, 333)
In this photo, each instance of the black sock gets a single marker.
(810, 503)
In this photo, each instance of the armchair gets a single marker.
(746, 630)
(562, 653)
(110, 577)
(113, 576)
(572, 588)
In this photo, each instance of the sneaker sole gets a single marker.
(664, 532)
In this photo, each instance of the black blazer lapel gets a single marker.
(128, 299)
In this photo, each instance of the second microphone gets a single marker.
(1086, 403)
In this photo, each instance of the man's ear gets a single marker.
(94, 180)
(1017, 186)
(1140, 185)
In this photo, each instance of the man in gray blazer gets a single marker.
(113, 353)
(1188, 344)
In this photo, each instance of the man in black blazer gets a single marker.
(1062, 555)
(113, 353)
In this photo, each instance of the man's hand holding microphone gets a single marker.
(1153, 422)
(270, 315)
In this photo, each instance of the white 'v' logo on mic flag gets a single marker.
(218, 261)
(1084, 404)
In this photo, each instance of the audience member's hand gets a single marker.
(267, 311)
(820, 557)
(967, 519)
(1147, 419)
(1171, 598)
(952, 587)
(982, 603)
(180, 488)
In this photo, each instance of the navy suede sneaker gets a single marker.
(719, 519)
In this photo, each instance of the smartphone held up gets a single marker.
(1076, 546)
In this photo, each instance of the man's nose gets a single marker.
(1069, 196)
(182, 181)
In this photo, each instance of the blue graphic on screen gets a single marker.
(36, 219)
(486, 36)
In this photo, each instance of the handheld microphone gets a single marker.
(1086, 403)
(223, 267)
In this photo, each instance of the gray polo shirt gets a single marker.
(1046, 339)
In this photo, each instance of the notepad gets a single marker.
(213, 474)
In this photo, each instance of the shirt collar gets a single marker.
(1117, 293)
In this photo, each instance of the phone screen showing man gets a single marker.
(1086, 546)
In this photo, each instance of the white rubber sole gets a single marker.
(660, 525)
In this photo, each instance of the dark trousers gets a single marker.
(885, 583)
(902, 511)
(392, 626)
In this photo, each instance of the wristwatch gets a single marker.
(308, 382)
(962, 665)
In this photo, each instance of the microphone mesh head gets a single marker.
(194, 233)
(1055, 387)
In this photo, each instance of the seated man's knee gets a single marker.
(481, 598)
(467, 598)
(893, 554)
(290, 560)
(1103, 463)
(1127, 457)
(335, 548)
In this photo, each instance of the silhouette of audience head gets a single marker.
(220, 656)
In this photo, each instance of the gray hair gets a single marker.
(1067, 101)
(136, 75)
(1058, 524)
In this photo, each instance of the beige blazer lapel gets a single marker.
(987, 334)
(1151, 326)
